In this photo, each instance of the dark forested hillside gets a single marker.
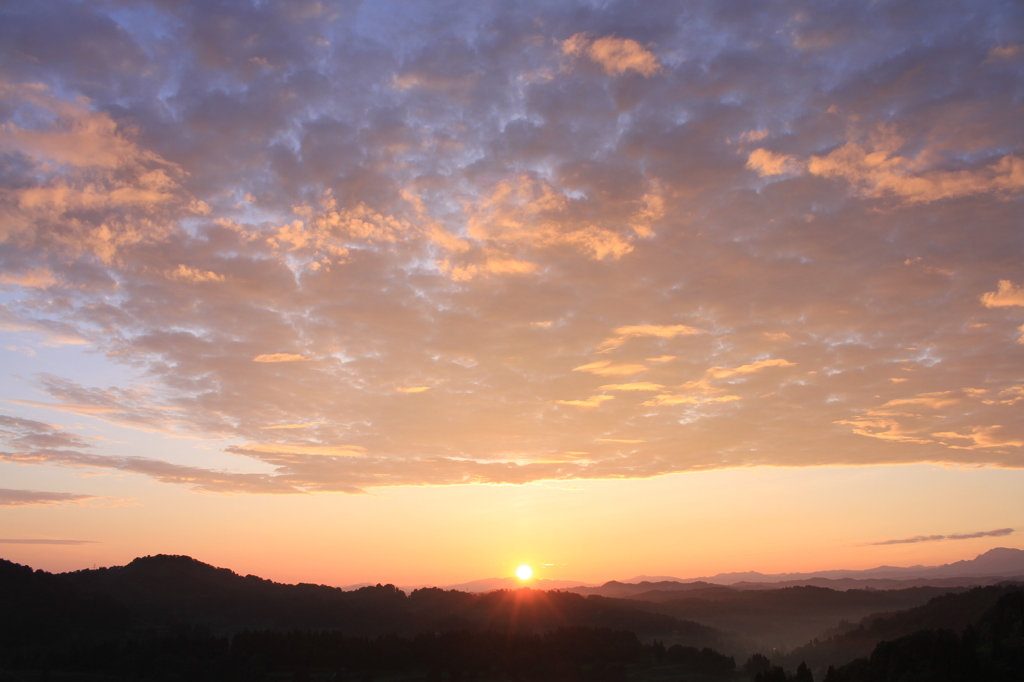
(991, 648)
(950, 612)
(172, 617)
(39, 606)
(176, 589)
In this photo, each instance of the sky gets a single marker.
(411, 292)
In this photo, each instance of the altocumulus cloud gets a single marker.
(781, 237)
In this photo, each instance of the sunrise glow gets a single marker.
(524, 572)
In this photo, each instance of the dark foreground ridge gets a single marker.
(175, 618)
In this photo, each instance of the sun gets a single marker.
(524, 572)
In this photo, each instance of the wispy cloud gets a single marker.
(32, 498)
(43, 541)
(998, 533)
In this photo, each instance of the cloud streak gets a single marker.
(41, 541)
(998, 533)
(36, 498)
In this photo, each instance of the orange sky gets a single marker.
(392, 291)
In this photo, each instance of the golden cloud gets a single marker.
(980, 437)
(725, 372)
(184, 273)
(660, 331)
(279, 357)
(669, 399)
(592, 401)
(615, 55)
(606, 368)
(491, 266)
(878, 170)
(767, 163)
(635, 386)
(1008, 294)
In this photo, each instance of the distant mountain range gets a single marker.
(1001, 561)
(985, 569)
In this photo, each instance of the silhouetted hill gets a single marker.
(614, 588)
(990, 649)
(40, 606)
(173, 613)
(953, 612)
(167, 592)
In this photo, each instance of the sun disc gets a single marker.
(524, 572)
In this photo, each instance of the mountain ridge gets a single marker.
(999, 562)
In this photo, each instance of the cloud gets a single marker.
(491, 266)
(53, 332)
(325, 231)
(980, 437)
(935, 401)
(37, 278)
(998, 533)
(130, 407)
(660, 331)
(91, 187)
(884, 429)
(607, 368)
(42, 541)
(527, 211)
(1005, 52)
(669, 399)
(706, 385)
(592, 401)
(30, 442)
(293, 426)
(187, 274)
(615, 55)
(726, 372)
(877, 170)
(767, 163)
(1008, 294)
(753, 135)
(412, 389)
(917, 419)
(35, 498)
(279, 357)
(175, 205)
(635, 386)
